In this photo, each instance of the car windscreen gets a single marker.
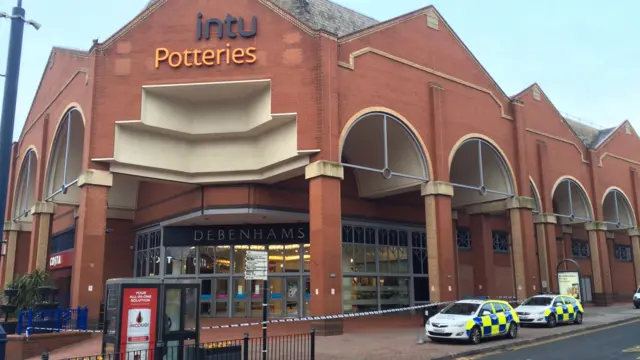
(638, 290)
(538, 301)
(460, 309)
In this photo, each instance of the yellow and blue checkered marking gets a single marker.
(491, 325)
(563, 313)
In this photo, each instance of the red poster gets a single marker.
(138, 330)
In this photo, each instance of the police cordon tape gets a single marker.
(289, 320)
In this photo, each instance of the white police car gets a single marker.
(473, 320)
(636, 298)
(550, 309)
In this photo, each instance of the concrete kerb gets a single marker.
(518, 343)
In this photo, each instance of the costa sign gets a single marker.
(60, 260)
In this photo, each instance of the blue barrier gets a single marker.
(3, 343)
(52, 320)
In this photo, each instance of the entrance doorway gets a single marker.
(214, 299)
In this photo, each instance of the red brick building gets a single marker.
(378, 162)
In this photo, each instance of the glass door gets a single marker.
(256, 287)
(180, 319)
(221, 300)
(292, 296)
(307, 296)
(276, 296)
(240, 297)
(206, 298)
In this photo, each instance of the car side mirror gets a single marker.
(485, 313)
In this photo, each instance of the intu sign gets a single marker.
(229, 27)
(296, 233)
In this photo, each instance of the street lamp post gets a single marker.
(10, 98)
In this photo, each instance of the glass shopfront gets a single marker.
(384, 267)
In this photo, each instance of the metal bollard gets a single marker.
(44, 356)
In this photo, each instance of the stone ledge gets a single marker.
(436, 188)
(95, 177)
(43, 207)
(634, 232)
(595, 226)
(545, 219)
(324, 168)
(12, 226)
(520, 202)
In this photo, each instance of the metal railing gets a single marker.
(54, 320)
(283, 347)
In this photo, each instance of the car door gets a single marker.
(560, 309)
(500, 320)
(510, 315)
(572, 306)
(485, 313)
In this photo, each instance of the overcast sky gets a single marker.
(584, 54)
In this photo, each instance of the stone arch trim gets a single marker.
(536, 195)
(71, 107)
(17, 188)
(56, 132)
(582, 188)
(626, 199)
(495, 146)
(379, 109)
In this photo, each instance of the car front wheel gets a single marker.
(551, 321)
(513, 331)
(475, 336)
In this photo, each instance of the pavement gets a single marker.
(398, 338)
(619, 342)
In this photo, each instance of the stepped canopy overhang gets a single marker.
(209, 133)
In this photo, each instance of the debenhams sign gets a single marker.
(236, 234)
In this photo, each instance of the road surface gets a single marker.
(620, 342)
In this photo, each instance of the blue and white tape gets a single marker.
(288, 320)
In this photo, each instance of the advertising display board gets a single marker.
(569, 283)
(134, 311)
(139, 314)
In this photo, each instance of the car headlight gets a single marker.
(428, 321)
(636, 297)
(461, 324)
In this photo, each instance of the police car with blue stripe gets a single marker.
(473, 320)
(550, 309)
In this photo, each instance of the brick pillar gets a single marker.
(547, 251)
(325, 227)
(523, 246)
(635, 248)
(11, 228)
(484, 278)
(602, 284)
(441, 247)
(91, 234)
(42, 213)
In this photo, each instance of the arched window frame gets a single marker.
(20, 213)
(572, 217)
(618, 223)
(385, 171)
(482, 189)
(65, 186)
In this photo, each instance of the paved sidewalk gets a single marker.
(397, 342)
